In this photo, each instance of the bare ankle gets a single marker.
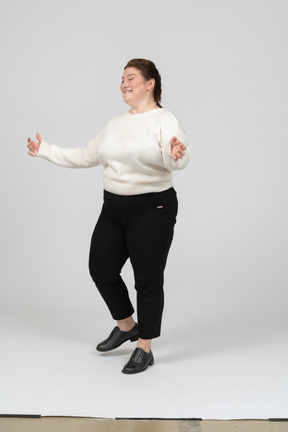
(144, 344)
(126, 324)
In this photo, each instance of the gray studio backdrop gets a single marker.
(224, 69)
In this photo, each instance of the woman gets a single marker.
(138, 151)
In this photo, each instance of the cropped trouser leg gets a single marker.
(108, 254)
(140, 227)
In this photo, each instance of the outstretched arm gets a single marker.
(78, 157)
(175, 151)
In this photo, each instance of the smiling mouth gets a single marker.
(127, 91)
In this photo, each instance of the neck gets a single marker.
(142, 108)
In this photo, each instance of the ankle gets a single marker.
(144, 344)
(126, 324)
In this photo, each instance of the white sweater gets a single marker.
(134, 150)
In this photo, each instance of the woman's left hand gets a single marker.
(177, 149)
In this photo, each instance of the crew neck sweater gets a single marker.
(133, 149)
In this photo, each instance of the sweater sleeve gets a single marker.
(79, 157)
(171, 127)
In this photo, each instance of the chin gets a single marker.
(127, 101)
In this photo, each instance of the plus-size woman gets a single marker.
(138, 151)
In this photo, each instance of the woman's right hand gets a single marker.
(33, 146)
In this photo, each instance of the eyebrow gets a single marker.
(129, 75)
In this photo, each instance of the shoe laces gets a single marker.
(138, 354)
(113, 333)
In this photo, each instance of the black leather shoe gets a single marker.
(117, 338)
(139, 362)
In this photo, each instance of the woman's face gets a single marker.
(134, 88)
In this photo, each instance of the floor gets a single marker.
(50, 367)
(54, 424)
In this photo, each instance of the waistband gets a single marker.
(115, 197)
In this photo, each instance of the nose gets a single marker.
(124, 84)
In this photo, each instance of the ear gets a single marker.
(151, 84)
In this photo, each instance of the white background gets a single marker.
(224, 69)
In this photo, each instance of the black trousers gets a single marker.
(139, 227)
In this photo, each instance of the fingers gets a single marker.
(177, 155)
(177, 149)
(32, 154)
(30, 142)
(176, 142)
(34, 146)
(38, 137)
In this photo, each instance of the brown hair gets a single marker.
(148, 71)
